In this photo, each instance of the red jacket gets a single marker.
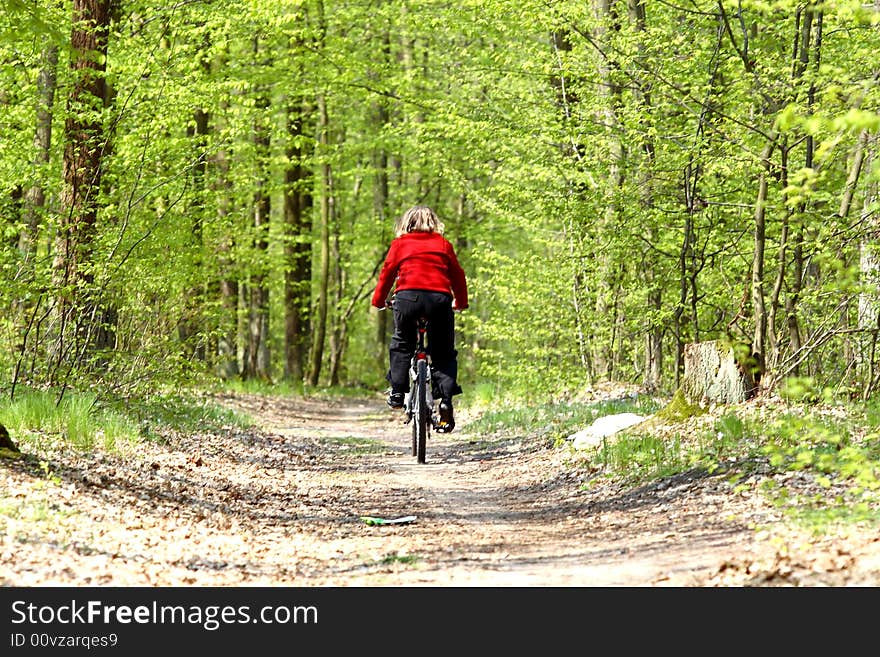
(422, 261)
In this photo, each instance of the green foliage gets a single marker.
(590, 214)
(820, 463)
(822, 446)
(805, 389)
(799, 389)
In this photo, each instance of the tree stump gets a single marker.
(718, 372)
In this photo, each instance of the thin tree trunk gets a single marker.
(35, 198)
(380, 118)
(606, 293)
(227, 286)
(868, 316)
(869, 296)
(567, 101)
(653, 362)
(773, 349)
(759, 310)
(340, 323)
(680, 319)
(242, 326)
(189, 328)
(320, 331)
(258, 362)
(801, 62)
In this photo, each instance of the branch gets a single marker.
(743, 54)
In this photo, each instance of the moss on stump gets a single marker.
(679, 408)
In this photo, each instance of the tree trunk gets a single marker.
(82, 170)
(227, 284)
(320, 323)
(772, 353)
(868, 317)
(573, 149)
(6, 442)
(191, 328)
(12, 213)
(684, 256)
(297, 251)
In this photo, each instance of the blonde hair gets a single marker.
(419, 219)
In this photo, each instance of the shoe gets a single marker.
(447, 420)
(395, 399)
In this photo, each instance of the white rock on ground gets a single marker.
(602, 427)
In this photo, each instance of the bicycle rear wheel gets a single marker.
(421, 415)
(415, 423)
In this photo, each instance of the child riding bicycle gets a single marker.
(428, 282)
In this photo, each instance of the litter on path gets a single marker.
(372, 520)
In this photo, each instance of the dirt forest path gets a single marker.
(505, 513)
(280, 504)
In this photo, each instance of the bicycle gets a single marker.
(418, 403)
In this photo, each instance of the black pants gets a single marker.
(409, 305)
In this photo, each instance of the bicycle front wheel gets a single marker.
(421, 415)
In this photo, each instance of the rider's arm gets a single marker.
(386, 277)
(458, 281)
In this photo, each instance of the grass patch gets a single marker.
(395, 558)
(820, 463)
(818, 519)
(555, 421)
(79, 420)
(821, 467)
(639, 457)
(84, 421)
(356, 446)
(180, 412)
